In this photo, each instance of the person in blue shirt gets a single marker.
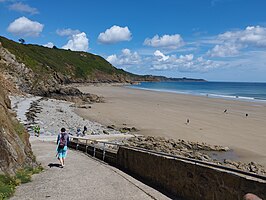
(62, 142)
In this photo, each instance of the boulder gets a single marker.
(111, 127)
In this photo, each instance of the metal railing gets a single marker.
(93, 143)
(194, 161)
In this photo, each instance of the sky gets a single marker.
(217, 40)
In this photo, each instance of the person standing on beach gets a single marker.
(62, 142)
(84, 130)
(78, 132)
(37, 130)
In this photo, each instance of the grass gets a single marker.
(7, 186)
(19, 128)
(8, 183)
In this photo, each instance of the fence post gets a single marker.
(103, 151)
(77, 144)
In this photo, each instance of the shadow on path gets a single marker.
(54, 165)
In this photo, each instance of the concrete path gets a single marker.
(83, 177)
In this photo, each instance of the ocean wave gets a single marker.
(231, 96)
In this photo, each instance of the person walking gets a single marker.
(84, 130)
(78, 132)
(62, 142)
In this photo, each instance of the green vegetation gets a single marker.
(7, 186)
(19, 128)
(74, 64)
(24, 175)
(9, 183)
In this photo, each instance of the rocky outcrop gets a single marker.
(18, 72)
(68, 94)
(180, 147)
(15, 149)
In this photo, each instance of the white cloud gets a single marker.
(25, 27)
(187, 58)
(126, 52)
(23, 8)
(125, 59)
(231, 42)
(112, 59)
(49, 45)
(183, 63)
(233, 47)
(115, 34)
(67, 32)
(166, 41)
(252, 35)
(161, 62)
(161, 56)
(225, 50)
(78, 42)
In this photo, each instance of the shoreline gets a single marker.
(236, 97)
(208, 95)
(165, 114)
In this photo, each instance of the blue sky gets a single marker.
(218, 40)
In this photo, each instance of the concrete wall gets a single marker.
(187, 179)
(179, 177)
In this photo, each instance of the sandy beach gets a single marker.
(166, 114)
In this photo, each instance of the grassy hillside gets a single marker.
(72, 64)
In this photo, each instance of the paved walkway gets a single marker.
(82, 178)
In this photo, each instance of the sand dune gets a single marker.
(166, 114)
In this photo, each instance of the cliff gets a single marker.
(15, 149)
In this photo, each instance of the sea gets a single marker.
(246, 91)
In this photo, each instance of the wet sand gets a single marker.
(166, 114)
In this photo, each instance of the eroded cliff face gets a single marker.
(15, 149)
(20, 74)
